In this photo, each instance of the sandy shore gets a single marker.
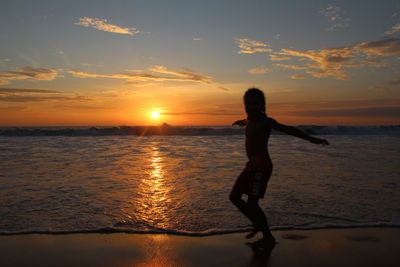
(327, 247)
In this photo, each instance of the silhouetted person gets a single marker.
(254, 178)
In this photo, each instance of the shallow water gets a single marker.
(181, 183)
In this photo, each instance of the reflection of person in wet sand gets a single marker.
(254, 178)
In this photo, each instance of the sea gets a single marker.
(176, 180)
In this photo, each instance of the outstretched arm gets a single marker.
(296, 132)
(240, 122)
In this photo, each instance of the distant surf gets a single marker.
(168, 130)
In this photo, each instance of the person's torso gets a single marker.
(257, 135)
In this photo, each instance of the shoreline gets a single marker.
(211, 232)
(362, 246)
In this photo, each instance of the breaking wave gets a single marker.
(168, 130)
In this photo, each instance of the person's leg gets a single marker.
(236, 199)
(260, 221)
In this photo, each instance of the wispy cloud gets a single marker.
(394, 81)
(73, 106)
(277, 36)
(28, 73)
(387, 47)
(103, 25)
(184, 75)
(376, 112)
(248, 46)
(297, 77)
(197, 39)
(38, 95)
(140, 84)
(21, 91)
(334, 62)
(259, 70)
(23, 98)
(337, 17)
(279, 58)
(323, 63)
(379, 88)
(292, 67)
(394, 29)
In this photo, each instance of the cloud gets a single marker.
(197, 39)
(28, 73)
(23, 98)
(394, 81)
(279, 58)
(184, 75)
(21, 91)
(259, 70)
(140, 84)
(248, 46)
(373, 61)
(379, 88)
(337, 17)
(37, 95)
(12, 108)
(324, 63)
(277, 36)
(79, 107)
(221, 112)
(394, 29)
(328, 62)
(387, 112)
(387, 47)
(298, 77)
(293, 67)
(103, 25)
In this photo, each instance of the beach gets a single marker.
(325, 247)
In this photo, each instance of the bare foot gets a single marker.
(264, 243)
(252, 233)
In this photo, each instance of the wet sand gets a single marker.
(326, 247)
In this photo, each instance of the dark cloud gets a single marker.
(28, 73)
(79, 107)
(21, 91)
(185, 75)
(387, 47)
(388, 112)
(395, 81)
(213, 113)
(22, 98)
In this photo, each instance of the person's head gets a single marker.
(254, 102)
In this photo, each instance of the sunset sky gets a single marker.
(107, 63)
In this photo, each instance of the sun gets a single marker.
(155, 114)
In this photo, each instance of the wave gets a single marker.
(351, 130)
(209, 232)
(167, 130)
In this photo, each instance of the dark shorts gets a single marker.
(253, 180)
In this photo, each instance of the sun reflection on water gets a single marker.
(153, 193)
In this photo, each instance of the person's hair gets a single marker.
(255, 93)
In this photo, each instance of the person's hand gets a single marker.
(319, 141)
(240, 123)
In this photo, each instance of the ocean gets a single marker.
(177, 179)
